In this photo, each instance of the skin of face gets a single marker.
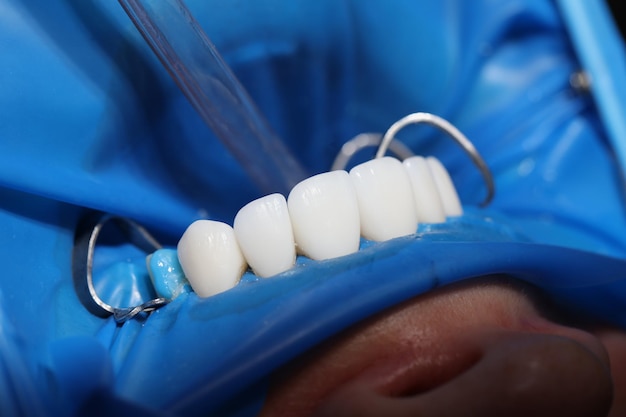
(482, 348)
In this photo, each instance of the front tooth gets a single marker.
(385, 197)
(447, 192)
(263, 230)
(325, 216)
(210, 257)
(427, 201)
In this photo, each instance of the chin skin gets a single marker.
(477, 349)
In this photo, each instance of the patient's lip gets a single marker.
(410, 373)
(448, 362)
(517, 374)
(539, 324)
(429, 343)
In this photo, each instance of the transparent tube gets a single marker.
(214, 91)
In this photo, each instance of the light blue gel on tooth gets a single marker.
(166, 274)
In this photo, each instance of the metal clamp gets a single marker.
(454, 133)
(85, 239)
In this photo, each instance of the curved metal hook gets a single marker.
(124, 314)
(453, 132)
(85, 240)
(365, 140)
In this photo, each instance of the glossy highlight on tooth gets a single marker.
(385, 197)
(210, 257)
(265, 236)
(445, 186)
(325, 216)
(427, 200)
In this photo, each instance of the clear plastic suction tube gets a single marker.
(214, 91)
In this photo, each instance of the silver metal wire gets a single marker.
(365, 140)
(85, 240)
(454, 133)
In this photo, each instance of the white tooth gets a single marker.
(325, 215)
(210, 257)
(385, 197)
(263, 230)
(447, 192)
(427, 201)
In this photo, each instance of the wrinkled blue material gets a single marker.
(90, 120)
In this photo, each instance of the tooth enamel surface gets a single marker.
(263, 230)
(325, 215)
(385, 196)
(427, 201)
(210, 257)
(445, 186)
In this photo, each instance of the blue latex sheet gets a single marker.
(90, 120)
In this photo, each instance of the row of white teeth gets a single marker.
(323, 217)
